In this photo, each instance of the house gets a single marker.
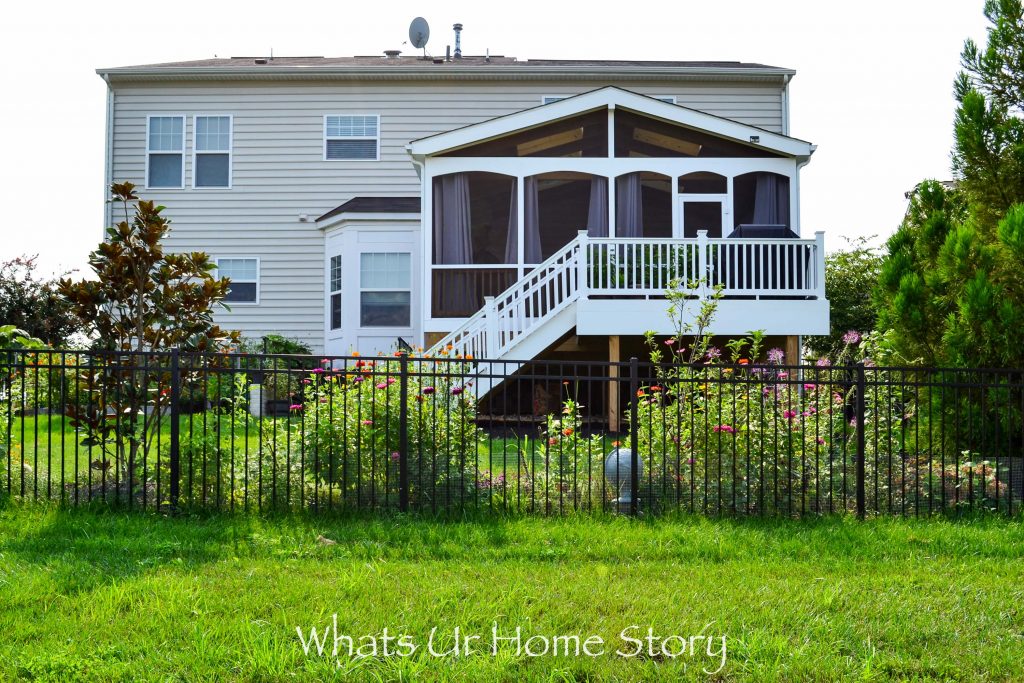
(510, 208)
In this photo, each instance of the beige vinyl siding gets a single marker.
(278, 169)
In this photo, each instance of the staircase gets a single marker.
(522, 321)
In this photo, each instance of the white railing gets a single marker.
(742, 266)
(506, 318)
(631, 267)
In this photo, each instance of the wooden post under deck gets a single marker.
(793, 350)
(613, 384)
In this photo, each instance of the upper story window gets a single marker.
(211, 160)
(165, 151)
(352, 137)
(244, 274)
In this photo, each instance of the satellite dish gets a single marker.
(419, 32)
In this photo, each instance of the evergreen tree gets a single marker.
(951, 286)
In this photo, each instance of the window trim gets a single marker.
(408, 289)
(553, 98)
(259, 277)
(230, 152)
(352, 137)
(184, 144)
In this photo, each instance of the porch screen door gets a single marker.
(704, 212)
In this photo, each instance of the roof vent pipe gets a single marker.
(447, 53)
(392, 54)
(458, 40)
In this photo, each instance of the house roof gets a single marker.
(411, 65)
(609, 97)
(375, 205)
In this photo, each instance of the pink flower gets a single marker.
(295, 406)
(823, 362)
(728, 429)
(810, 387)
(367, 423)
(776, 355)
(428, 390)
(783, 375)
(307, 381)
(325, 361)
(358, 379)
(670, 342)
(395, 456)
(391, 380)
(382, 385)
(821, 441)
(318, 370)
(456, 391)
(851, 337)
(689, 461)
(789, 414)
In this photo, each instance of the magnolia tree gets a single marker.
(141, 300)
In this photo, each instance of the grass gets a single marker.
(112, 596)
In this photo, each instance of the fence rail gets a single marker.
(266, 432)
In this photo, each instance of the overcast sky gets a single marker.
(873, 87)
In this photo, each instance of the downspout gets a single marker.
(425, 255)
(785, 103)
(108, 161)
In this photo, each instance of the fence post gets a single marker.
(634, 447)
(403, 432)
(860, 411)
(174, 456)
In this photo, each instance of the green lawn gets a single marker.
(94, 596)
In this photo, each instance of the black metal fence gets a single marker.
(274, 432)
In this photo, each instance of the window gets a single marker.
(244, 274)
(165, 151)
(352, 137)
(671, 99)
(211, 160)
(548, 99)
(385, 297)
(335, 282)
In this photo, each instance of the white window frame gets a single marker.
(332, 292)
(259, 277)
(184, 136)
(362, 290)
(230, 152)
(352, 137)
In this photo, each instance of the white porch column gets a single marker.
(819, 263)
(520, 223)
(491, 322)
(583, 267)
(703, 275)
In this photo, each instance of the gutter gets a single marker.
(445, 71)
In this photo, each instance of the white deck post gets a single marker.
(819, 263)
(703, 276)
(491, 325)
(582, 256)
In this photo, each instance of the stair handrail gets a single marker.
(473, 332)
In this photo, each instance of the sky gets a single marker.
(873, 88)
